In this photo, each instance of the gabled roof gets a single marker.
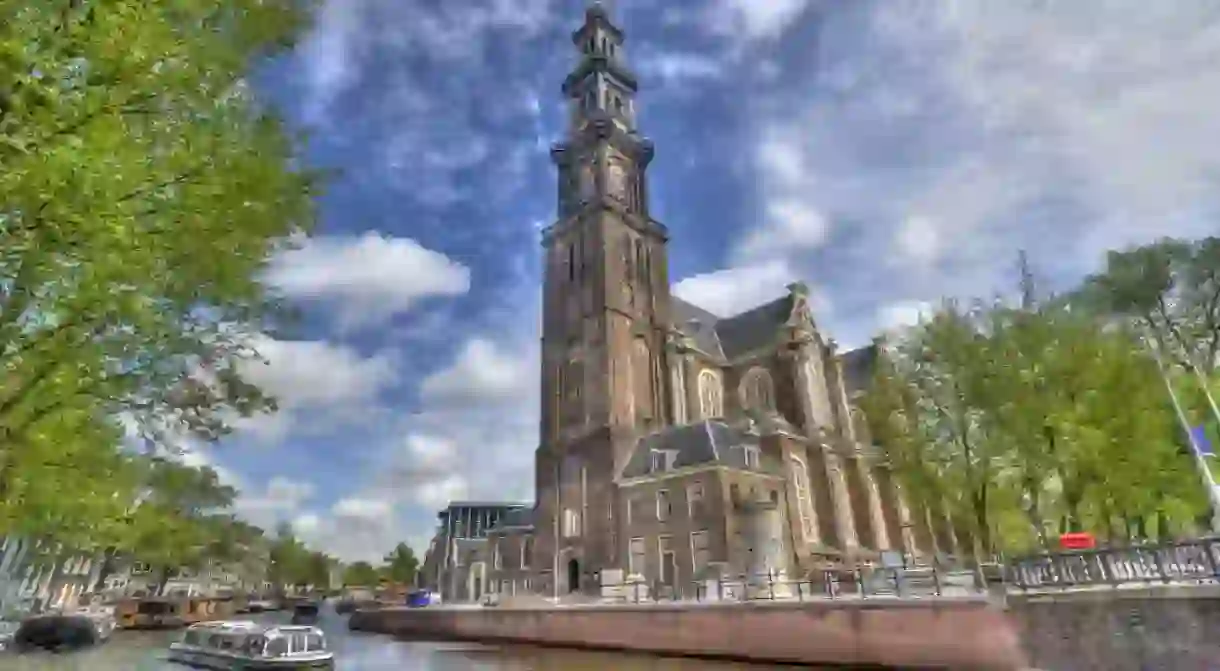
(731, 337)
(858, 367)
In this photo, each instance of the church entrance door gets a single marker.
(573, 575)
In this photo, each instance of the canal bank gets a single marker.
(879, 633)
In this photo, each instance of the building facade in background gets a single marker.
(457, 563)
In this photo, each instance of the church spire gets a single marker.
(601, 86)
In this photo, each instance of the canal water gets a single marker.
(144, 651)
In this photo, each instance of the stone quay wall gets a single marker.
(1169, 627)
(941, 633)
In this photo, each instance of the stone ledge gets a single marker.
(872, 633)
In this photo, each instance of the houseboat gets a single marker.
(251, 646)
(170, 612)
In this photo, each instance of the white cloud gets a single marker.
(732, 290)
(943, 137)
(901, 314)
(754, 19)
(484, 371)
(367, 279)
(348, 33)
(665, 69)
(318, 386)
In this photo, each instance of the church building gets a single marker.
(675, 444)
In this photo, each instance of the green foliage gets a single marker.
(1025, 421)
(401, 565)
(144, 190)
(360, 574)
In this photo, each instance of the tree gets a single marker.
(1171, 289)
(360, 574)
(400, 565)
(1033, 411)
(143, 192)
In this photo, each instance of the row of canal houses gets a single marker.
(29, 582)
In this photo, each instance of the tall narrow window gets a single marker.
(757, 390)
(694, 500)
(804, 500)
(637, 557)
(711, 404)
(664, 508)
(527, 549)
(700, 551)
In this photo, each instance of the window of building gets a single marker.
(700, 551)
(658, 460)
(571, 523)
(757, 390)
(665, 552)
(753, 456)
(804, 500)
(637, 557)
(664, 507)
(819, 393)
(711, 402)
(694, 499)
(527, 549)
(497, 557)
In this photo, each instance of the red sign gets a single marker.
(1081, 540)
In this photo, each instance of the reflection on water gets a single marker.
(144, 651)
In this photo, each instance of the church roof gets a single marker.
(730, 337)
(858, 367)
(704, 442)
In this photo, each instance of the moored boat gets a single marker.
(252, 646)
(305, 613)
(58, 631)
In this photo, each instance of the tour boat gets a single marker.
(252, 646)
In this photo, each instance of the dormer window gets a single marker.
(662, 460)
(752, 456)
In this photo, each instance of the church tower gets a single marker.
(605, 302)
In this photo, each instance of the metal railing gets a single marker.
(859, 583)
(1186, 562)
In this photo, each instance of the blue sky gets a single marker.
(887, 152)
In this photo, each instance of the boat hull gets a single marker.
(203, 660)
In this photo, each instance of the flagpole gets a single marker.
(1209, 480)
(1203, 382)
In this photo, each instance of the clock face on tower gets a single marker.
(616, 181)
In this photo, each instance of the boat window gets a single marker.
(192, 638)
(227, 643)
(298, 642)
(254, 646)
(314, 642)
(155, 608)
(277, 647)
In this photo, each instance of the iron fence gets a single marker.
(858, 583)
(1184, 562)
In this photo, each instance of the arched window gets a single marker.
(799, 473)
(819, 394)
(642, 376)
(711, 400)
(757, 390)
